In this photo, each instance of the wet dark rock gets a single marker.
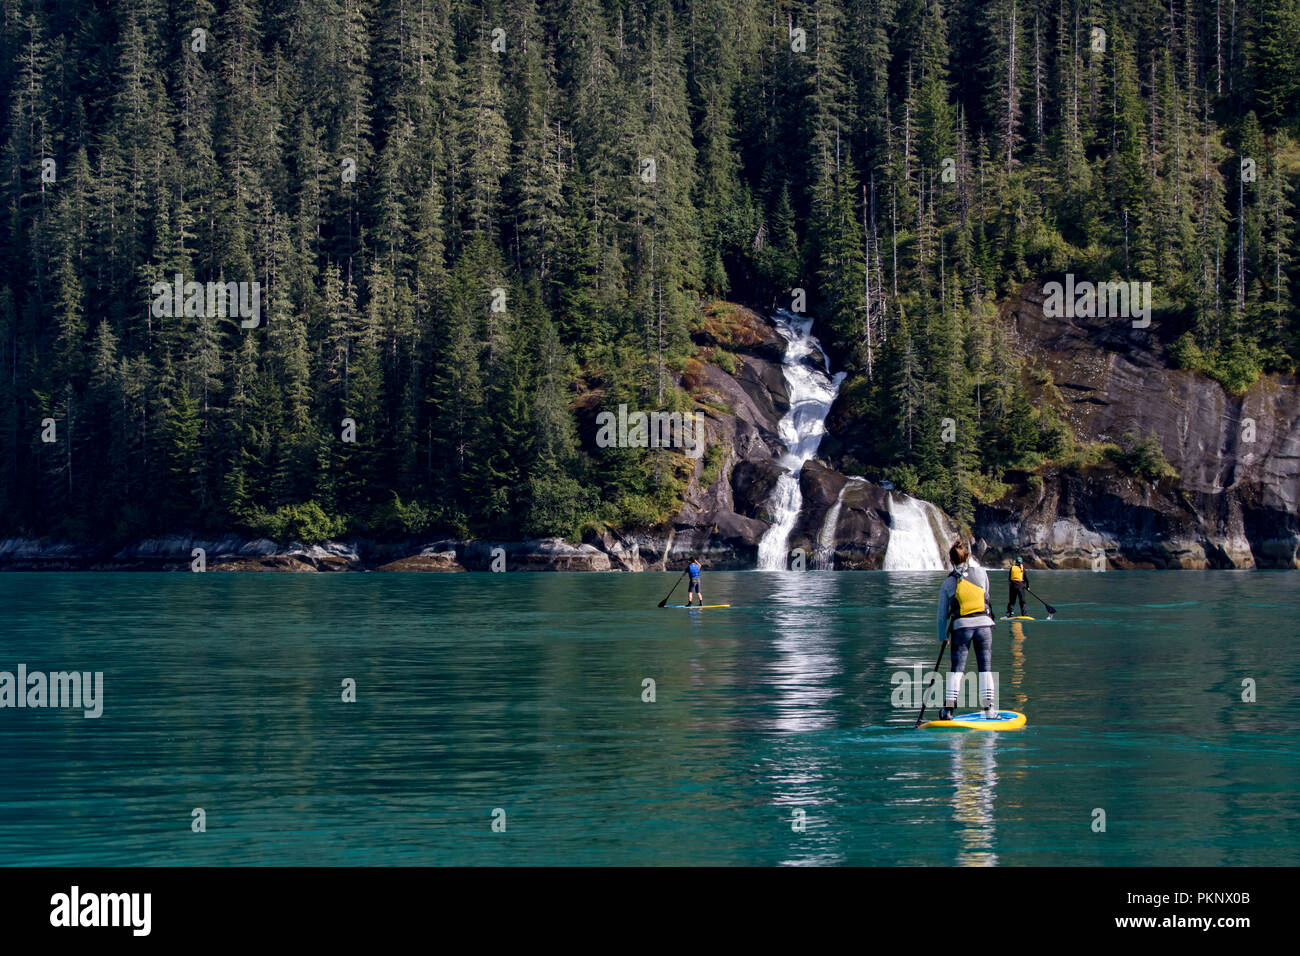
(1235, 501)
(426, 561)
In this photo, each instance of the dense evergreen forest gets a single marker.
(472, 223)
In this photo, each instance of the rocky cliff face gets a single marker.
(843, 522)
(1234, 503)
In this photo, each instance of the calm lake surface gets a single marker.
(523, 693)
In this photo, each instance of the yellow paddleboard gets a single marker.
(1005, 720)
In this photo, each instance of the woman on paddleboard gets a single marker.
(965, 610)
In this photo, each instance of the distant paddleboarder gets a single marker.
(1019, 585)
(693, 589)
(964, 607)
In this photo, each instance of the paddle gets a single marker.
(1051, 611)
(939, 661)
(674, 588)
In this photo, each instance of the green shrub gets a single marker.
(1187, 354)
(634, 511)
(306, 522)
(715, 405)
(1054, 436)
(1082, 455)
(936, 491)
(903, 477)
(1142, 457)
(395, 519)
(987, 488)
(1236, 367)
(559, 506)
(713, 459)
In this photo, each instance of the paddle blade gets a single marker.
(671, 590)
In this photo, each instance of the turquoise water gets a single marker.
(523, 692)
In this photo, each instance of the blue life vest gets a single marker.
(693, 570)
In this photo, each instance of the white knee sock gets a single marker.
(952, 689)
(986, 693)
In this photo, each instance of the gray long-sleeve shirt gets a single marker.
(975, 575)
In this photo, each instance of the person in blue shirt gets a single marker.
(693, 569)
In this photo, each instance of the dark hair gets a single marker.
(958, 554)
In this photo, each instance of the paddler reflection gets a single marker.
(974, 773)
(975, 780)
(1019, 698)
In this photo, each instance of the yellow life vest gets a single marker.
(968, 600)
(1017, 573)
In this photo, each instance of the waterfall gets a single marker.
(823, 559)
(919, 533)
(812, 391)
(915, 529)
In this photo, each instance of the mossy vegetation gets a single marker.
(1141, 456)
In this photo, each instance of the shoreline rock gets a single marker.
(1235, 504)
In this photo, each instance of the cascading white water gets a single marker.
(823, 558)
(826, 539)
(915, 527)
(812, 391)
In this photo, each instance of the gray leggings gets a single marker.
(961, 641)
